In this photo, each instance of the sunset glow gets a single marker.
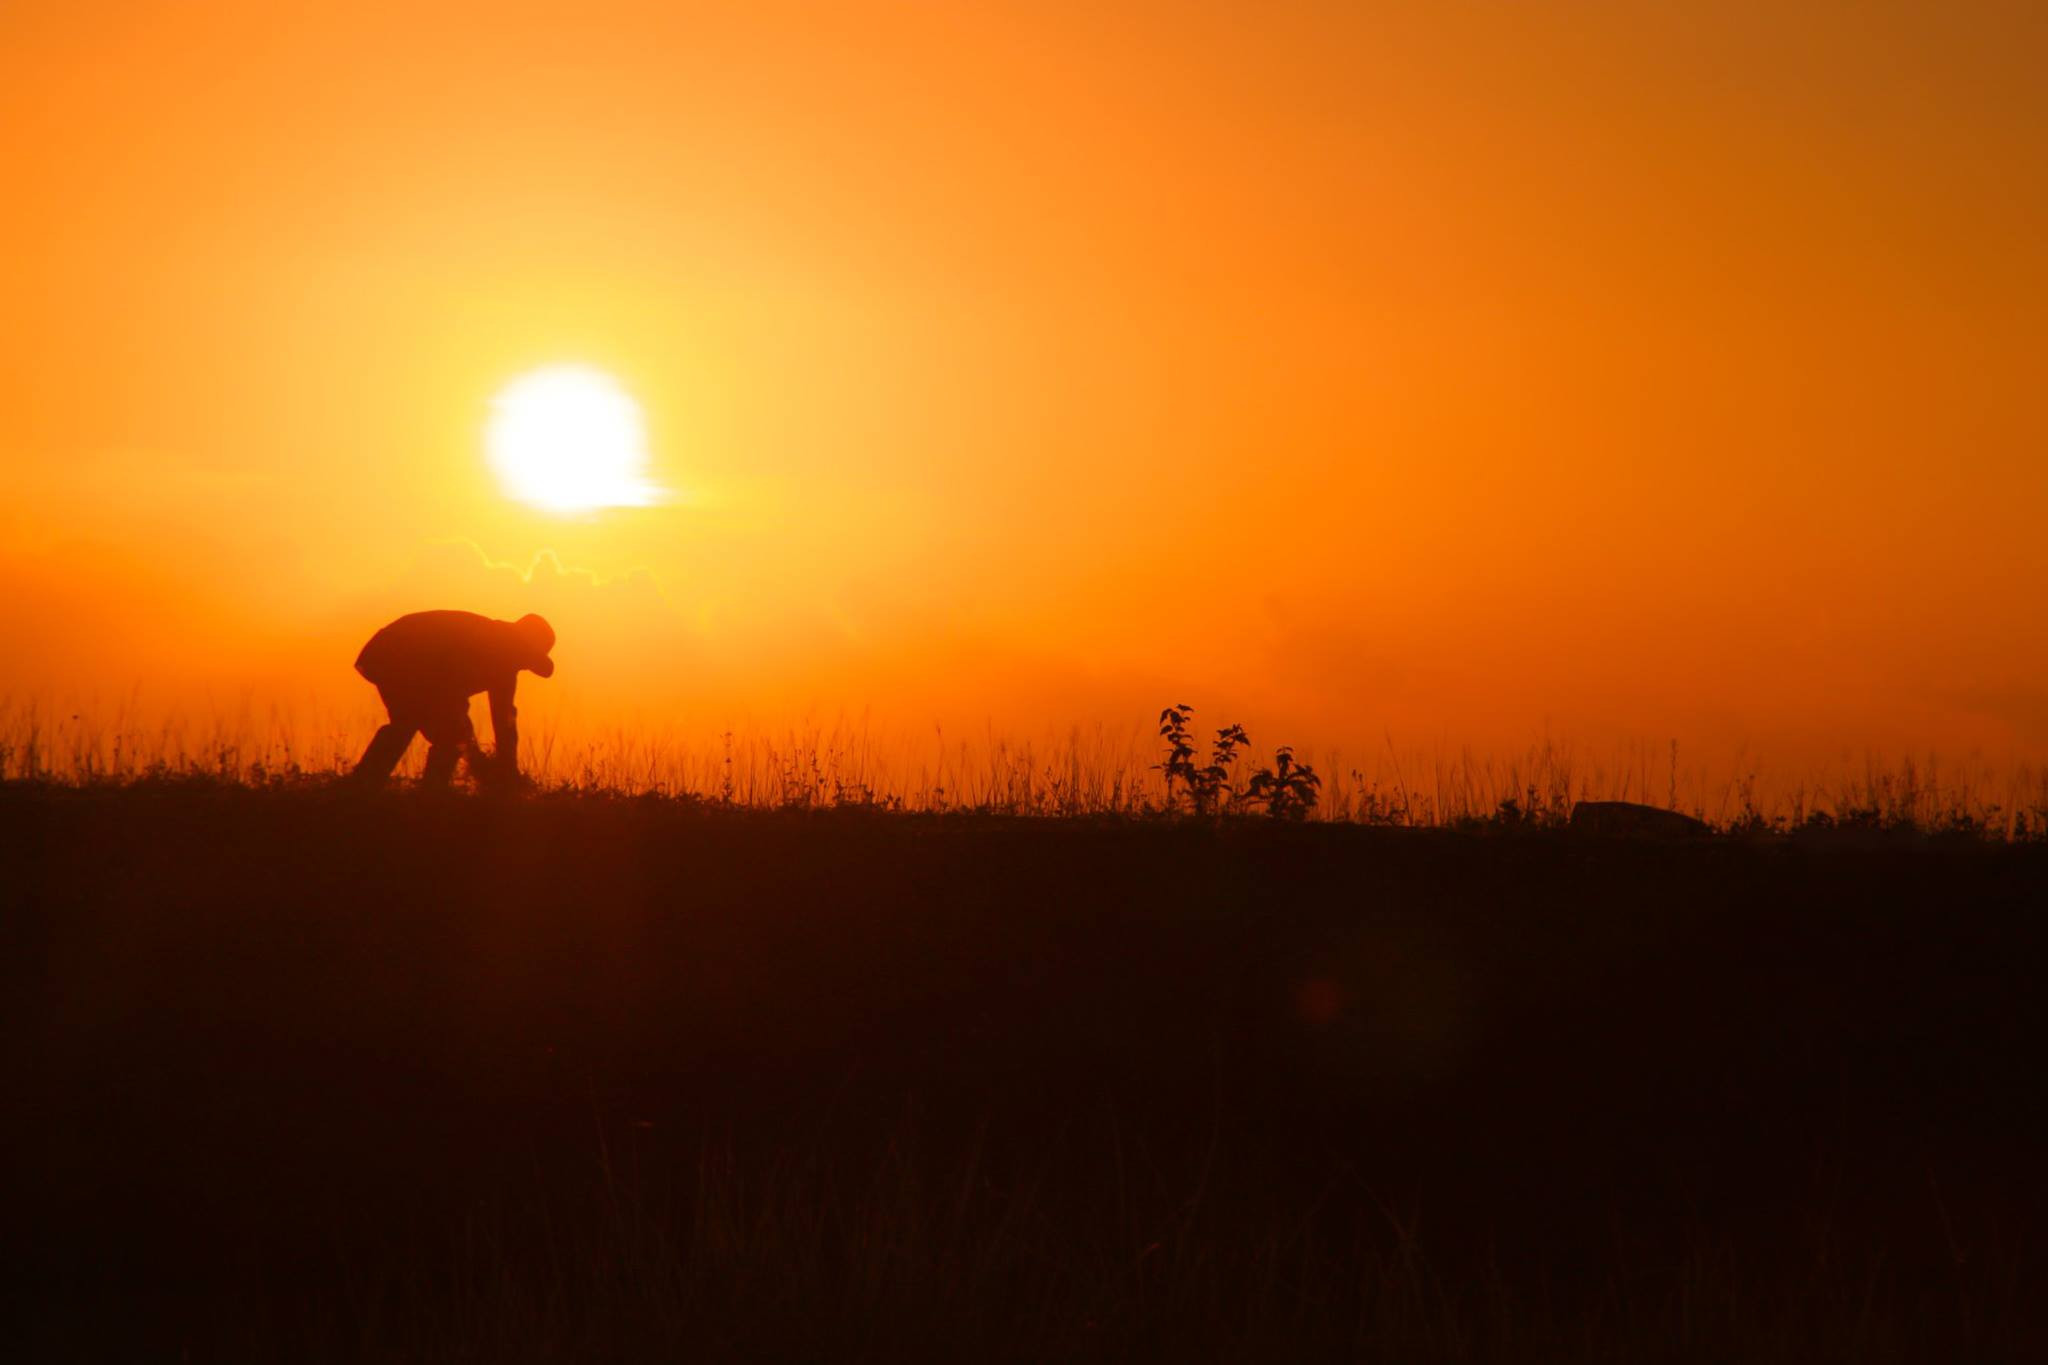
(1466, 376)
(1097, 680)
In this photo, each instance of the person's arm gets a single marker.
(505, 729)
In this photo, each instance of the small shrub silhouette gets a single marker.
(1288, 789)
(1212, 789)
(1180, 750)
(1208, 788)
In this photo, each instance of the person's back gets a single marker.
(426, 667)
(449, 651)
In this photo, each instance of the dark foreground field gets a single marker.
(306, 1075)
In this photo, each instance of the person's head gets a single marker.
(536, 638)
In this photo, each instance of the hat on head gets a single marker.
(537, 637)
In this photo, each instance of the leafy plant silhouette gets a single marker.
(1288, 789)
(1208, 788)
(1180, 750)
(1212, 789)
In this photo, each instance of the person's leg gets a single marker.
(387, 746)
(452, 736)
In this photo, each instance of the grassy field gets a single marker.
(1083, 771)
(303, 1073)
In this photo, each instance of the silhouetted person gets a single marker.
(427, 666)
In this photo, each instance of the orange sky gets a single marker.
(1625, 370)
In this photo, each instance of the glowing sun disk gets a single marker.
(569, 439)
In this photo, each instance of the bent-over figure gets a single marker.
(427, 666)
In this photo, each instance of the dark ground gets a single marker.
(300, 1074)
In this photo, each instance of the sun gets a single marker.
(569, 439)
